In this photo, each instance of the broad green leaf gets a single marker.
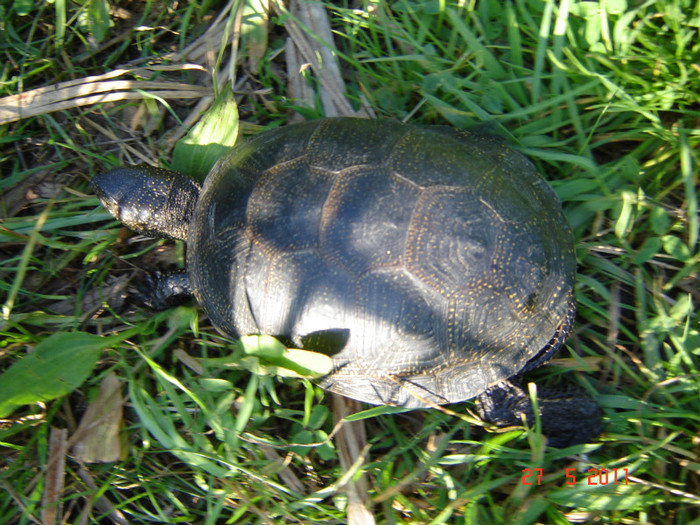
(23, 7)
(98, 17)
(271, 352)
(659, 219)
(649, 249)
(215, 386)
(58, 365)
(254, 31)
(626, 217)
(616, 7)
(209, 139)
(675, 247)
(307, 363)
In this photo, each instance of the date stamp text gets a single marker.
(602, 476)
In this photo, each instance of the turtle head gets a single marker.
(151, 201)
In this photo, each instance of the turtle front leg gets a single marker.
(164, 290)
(568, 416)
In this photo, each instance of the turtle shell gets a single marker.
(429, 262)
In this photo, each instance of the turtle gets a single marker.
(434, 265)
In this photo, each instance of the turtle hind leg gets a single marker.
(161, 291)
(568, 416)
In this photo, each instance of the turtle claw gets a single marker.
(160, 291)
(568, 416)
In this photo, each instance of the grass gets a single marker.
(602, 96)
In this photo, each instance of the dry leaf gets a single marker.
(97, 439)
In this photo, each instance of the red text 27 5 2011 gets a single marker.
(602, 476)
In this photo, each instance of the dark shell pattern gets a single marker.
(431, 262)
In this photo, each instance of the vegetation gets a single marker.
(603, 96)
